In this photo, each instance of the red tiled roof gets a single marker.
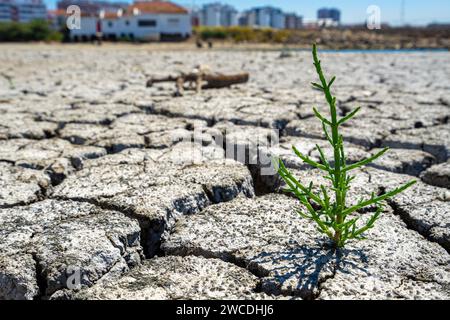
(57, 12)
(157, 7)
(111, 15)
(61, 12)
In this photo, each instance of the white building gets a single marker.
(329, 14)
(327, 22)
(210, 15)
(278, 19)
(151, 20)
(217, 14)
(328, 17)
(22, 10)
(30, 10)
(228, 16)
(293, 21)
(5, 11)
(265, 17)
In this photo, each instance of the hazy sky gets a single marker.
(416, 12)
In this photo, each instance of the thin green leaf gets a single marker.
(321, 118)
(317, 86)
(349, 116)
(366, 161)
(309, 161)
(331, 82)
(374, 200)
(322, 157)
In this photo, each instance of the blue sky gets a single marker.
(417, 12)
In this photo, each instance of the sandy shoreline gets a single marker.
(190, 46)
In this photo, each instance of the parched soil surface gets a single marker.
(112, 190)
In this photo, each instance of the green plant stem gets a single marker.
(337, 178)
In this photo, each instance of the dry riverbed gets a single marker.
(104, 196)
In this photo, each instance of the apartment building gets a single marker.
(22, 10)
(266, 17)
(293, 21)
(216, 14)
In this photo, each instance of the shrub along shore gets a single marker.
(37, 30)
(335, 38)
(437, 37)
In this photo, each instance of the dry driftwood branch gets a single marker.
(202, 80)
(222, 81)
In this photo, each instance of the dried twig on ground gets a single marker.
(201, 79)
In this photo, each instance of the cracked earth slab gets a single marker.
(21, 125)
(63, 238)
(217, 105)
(88, 113)
(42, 153)
(425, 208)
(21, 185)
(173, 277)
(434, 140)
(57, 157)
(438, 175)
(132, 131)
(266, 236)
(103, 105)
(242, 137)
(367, 136)
(407, 161)
(18, 277)
(244, 143)
(156, 187)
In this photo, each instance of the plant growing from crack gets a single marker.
(332, 215)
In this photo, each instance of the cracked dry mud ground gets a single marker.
(99, 183)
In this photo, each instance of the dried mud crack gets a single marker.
(149, 196)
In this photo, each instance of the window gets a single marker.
(147, 23)
(173, 21)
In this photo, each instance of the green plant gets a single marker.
(36, 30)
(332, 215)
